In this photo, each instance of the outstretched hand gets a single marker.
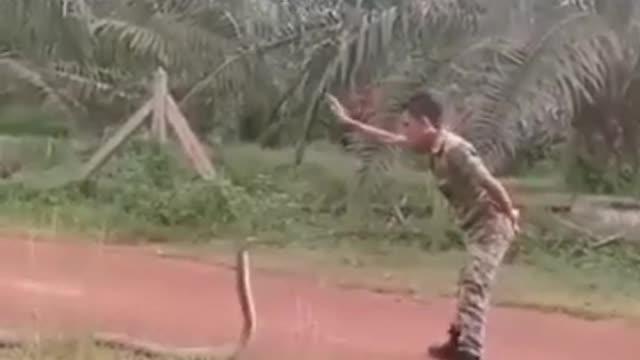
(339, 110)
(375, 133)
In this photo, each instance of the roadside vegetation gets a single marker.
(555, 102)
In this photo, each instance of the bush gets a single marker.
(257, 190)
(152, 185)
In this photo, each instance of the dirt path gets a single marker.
(72, 288)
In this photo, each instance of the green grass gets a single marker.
(72, 349)
(147, 197)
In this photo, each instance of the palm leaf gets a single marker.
(368, 49)
(557, 68)
(22, 72)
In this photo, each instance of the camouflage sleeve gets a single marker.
(468, 163)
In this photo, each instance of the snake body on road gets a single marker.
(123, 342)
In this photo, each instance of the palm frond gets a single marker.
(140, 40)
(44, 29)
(21, 71)
(367, 51)
(552, 69)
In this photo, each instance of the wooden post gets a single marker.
(188, 140)
(160, 91)
(163, 109)
(105, 152)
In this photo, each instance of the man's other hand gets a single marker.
(514, 216)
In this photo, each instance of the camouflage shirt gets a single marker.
(462, 177)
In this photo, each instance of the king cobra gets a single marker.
(230, 351)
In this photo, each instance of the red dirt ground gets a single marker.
(75, 289)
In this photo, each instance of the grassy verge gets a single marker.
(540, 282)
(327, 221)
(65, 350)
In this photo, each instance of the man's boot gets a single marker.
(449, 350)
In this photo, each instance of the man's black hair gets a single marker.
(424, 104)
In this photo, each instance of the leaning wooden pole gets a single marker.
(125, 131)
(190, 144)
(163, 109)
(159, 119)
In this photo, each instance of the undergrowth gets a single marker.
(71, 349)
(257, 192)
(150, 193)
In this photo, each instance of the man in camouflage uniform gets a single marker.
(482, 207)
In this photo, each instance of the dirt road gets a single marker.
(75, 289)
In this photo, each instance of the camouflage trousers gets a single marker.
(487, 243)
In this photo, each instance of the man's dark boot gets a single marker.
(449, 350)
(463, 355)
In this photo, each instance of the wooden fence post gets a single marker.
(160, 92)
(188, 140)
(105, 152)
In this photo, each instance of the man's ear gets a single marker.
(427, 122)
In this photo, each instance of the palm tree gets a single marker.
(257, 70)
(528, 83)
(97, 61)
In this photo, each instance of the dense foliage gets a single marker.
(542, 79)
(255, 70)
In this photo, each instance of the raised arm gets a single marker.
(376, 133)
